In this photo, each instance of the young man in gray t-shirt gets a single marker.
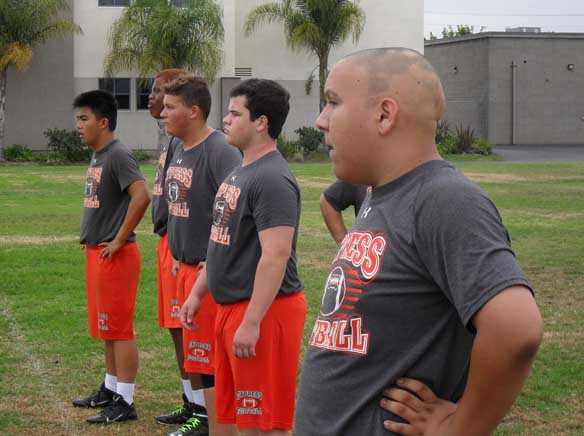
(251, 270)
(116, 198)
(425, 311)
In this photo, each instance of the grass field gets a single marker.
(47, 357)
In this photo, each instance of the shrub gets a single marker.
(18, 153)
(69, 144)
(442, 131)
(481, 146)
(465, 138)
(447, 145)
(285, 147)
(141, 155)
(309, 139)
(48, 157)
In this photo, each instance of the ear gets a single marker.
(261, 123)
(195, 112)
(387, 113)
(103, 123)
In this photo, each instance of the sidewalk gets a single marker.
(540, 153)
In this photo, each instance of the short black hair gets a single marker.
(193, 90)
(102, 104)
(265, 97)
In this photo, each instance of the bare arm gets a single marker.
(333, 220)
(139, 201)
(509, 331)
(276, 243)
(193, 302)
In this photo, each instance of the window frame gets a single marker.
(102, 80)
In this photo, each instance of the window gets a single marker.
(181, 3)
(120, 88)
(143, 87)
(118, 3)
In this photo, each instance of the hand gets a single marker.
(175, 267)
(426, 414)
(245, 339)
(188, 311)
(110, 249)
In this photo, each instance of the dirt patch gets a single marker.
(36, 240)
(312, 182)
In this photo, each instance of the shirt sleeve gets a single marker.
(126, 168)
(464, 246)
(223, 160)
(275, 201)
(336, 195)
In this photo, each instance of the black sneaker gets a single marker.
(181, 414)
(101, 398)
(195, 426)
(117, 411)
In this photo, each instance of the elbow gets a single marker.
(528, 341)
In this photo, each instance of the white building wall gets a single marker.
(388, 23)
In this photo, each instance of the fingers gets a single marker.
(418, 388)
(399, 396)
(244, 351)
(401, 428)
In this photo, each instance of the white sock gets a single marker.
(199, 397)
(126, 390)
(111, 382)
(188, 390)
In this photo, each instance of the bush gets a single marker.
(141, 155)
(18, 153)
(447, 145)
(481, 146)
(69, 144)
(465, 138)
(48, 157)
(285, 147)
(309, 139)
(442, 131)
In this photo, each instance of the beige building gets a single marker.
(41, 97)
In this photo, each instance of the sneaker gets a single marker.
(195, 426)
(117, 411)
(181, 414)
(101, 398)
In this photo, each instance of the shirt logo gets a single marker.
(92, 183)
(365, 212)
(225, 204)
(178, 183)
(249, 402)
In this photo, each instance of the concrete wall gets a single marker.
(40, 97)
(463, 68)
(549, 98)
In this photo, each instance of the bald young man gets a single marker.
(428, 325)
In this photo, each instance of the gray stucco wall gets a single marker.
(549, 97)
(463, 68)
(40, 97)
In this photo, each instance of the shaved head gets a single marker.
(405, 75)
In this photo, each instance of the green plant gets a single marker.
(481, 146)
(69, 144)
(285, 147)
(141, 155)
(442, 131)
(309, 139)
(447, 145)
(464, 140)
(18, 153)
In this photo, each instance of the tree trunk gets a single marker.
(3, 79)
(322, 74)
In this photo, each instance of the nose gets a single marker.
(321, 122)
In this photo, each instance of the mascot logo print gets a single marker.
(334, 292)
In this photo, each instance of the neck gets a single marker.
(404, 159)
(105, 139)
(255, 151)
(196, 137)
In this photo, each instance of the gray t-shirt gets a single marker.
(258, 196)
(341, 195)
(159, 203)
(106, 201)
(192, 180)
(426, 252)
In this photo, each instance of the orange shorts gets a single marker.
(259, 392)
(111, 292)
(198, 345)
(169, 300)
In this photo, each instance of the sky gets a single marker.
(496, 15)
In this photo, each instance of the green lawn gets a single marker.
(48, 359)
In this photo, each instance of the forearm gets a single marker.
(498, 371)
(333, 220)
(199, 288)
(134, 215)
(268, 280)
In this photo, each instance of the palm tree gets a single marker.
(152, 35)
(25, 24)
(312, 25)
